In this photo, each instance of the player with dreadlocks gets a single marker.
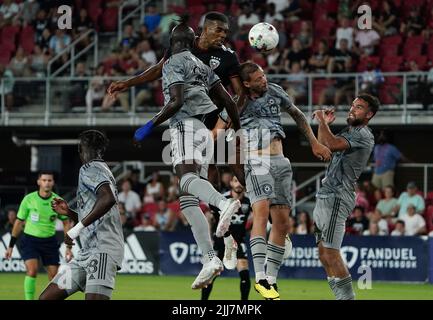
(97, 223)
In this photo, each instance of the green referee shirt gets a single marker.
(39, 217)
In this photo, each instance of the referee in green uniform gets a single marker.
(39, 238)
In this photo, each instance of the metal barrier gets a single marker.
(122, 19)
(49, 97)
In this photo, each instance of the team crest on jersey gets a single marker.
(245, 208)
(267, 188)
(214, 62)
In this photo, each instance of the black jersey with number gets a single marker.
(239, 218)
(225, 63)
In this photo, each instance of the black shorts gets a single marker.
(219, 248)
(45, 248)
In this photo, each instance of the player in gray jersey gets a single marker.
(97, 223)
(188, 86)
(268, 173)
(335, 200)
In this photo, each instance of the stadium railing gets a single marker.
(44, 100)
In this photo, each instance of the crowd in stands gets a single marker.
(315, 37)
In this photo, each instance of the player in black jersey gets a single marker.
(209, 48)
(232, 250)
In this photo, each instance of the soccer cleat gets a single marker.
(288, 247)
(266, 290)
(231, 206)
(230, 259)
(209, 271)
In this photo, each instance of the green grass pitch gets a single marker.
(132, 287)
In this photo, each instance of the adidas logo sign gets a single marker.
(135, 260)
(15, 264)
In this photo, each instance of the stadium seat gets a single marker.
(429, 218)
(109, 19)
(318, 86)
(391, 63)
(429, 198)
(197, 10)
(5, 56)
(414, 41)
(386, 50)
(412, 51)
(362, 65)
(174, 206)
(295, 27)
(396, 39)
(27, 39)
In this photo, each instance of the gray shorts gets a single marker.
(269, 178)
(191, 142)
(93, 275)
(330, 215)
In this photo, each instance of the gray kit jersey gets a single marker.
(197, 78)
(346, 166)
(105, 234)
(264, 113)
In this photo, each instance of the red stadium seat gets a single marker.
(197, 10)
(429, 218)
(5, 56)
(396, 39)
(174, 206)
(414, 41)
(413, 51)
(318, 86)
(295, 27)
(362, 65)
(109, 19)
(388, 50)
(27, 39)
(391, 63)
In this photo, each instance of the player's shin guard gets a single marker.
(29, 287)
(202, 189)
(245, 284)
(274, 256)
(258, 250)
(199, 225)
(344, 288)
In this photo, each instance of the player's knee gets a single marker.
(32, 273)
(186, 180)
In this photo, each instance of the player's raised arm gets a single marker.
(150, 74)
(105, 200)
(60, 206)
(325, 135)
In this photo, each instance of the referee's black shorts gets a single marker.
(45, 248)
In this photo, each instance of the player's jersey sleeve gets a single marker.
(213, 79)
(174, 71)
(94, 176)
(23, 211)
(286, 100)
(358, 138)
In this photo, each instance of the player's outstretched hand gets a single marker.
(322, 152)
(60, 206)
(115, 88)
(325, 116)
(8, 253)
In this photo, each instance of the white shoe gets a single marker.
(231, 206)
(230, 259)
(209, 271)
(288, 247)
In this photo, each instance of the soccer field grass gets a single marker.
(131, 287)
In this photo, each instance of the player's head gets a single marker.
(182, 36)
(92, 145)
(253, 78)
(45, 181)
(236, 185)
(215, 29)
(363, 108)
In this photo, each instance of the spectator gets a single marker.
(409, 197)
(44, 41)
(414, 23)
(386, 22)
(358, 223)
(275, 61)
(388, 203)
(165, 25)
(130, 198)
(20, 64)
(345, 31)
(173, 189)
(246, 20)
(291, 10)
(95, 93)
(296, 54)
(9, 10)
(298, 83)
(130, 38)
(318, 63)
(7, 86)
(399, 229)
(339, 58)
(306, 35)
(343, 91)
(414, 223)
(373, 230)
(304, 223)
(165, 219)
(11, 217)
(226, 177)
(415, 83)
(136, 185)
(366, 42)
(371, 79)
(361, 199)
(282, 34)
(386, 157)
(154, 189)
(39, 25)
(28, 11)
(152, 18)
(291, 229)
(146, 224)
(376, 218)
(59, 41)
(126, 219)
(147, 53)
(272, 14)
(82, 24)
(39, 61)
(428, 30)
(427, 96)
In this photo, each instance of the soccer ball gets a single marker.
(263, 36)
